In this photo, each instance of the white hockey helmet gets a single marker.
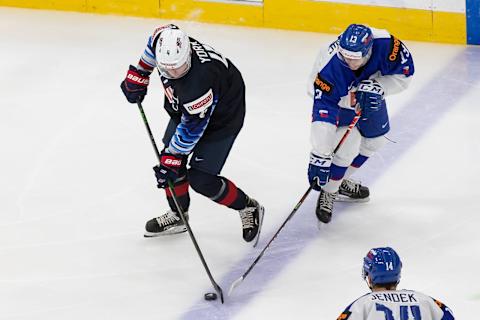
(173, 53)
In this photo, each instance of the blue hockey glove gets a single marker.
(135, 85)
(369, 97)
(172, 167)
(319, 170)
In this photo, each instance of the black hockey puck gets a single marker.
(210, 296)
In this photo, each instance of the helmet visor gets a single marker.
(354, 60)
(170, 72)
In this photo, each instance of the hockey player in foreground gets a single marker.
(381, 270)
(353, 75)
(205, 98)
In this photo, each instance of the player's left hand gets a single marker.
(172, 167)
(369, 97)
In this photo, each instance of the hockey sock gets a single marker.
(183, 197)
(356, 163)
(359, 161)
(336, 176)
(218, 189)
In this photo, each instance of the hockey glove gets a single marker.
(369, 97)
(172, 167)
(319, 170)
(135, 85)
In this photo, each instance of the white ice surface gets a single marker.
(77, 186)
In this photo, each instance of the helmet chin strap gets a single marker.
(369, 284)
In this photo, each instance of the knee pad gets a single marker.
(202, 182)
(369, 146)
(349, 149)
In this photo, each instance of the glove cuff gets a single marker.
(171, 161)
(137, 77)
(371, 86)
(320, 161)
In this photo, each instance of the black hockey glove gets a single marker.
(369, 97)
(172, 167)
(135, 85)
(319, 170)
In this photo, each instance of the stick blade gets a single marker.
(235, 284)
(219, 291)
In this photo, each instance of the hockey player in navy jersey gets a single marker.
(354, 74)
(381, 270)
(205, 99)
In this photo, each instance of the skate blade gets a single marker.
(342, 198)
(320, 225)
(168, 232)
(261, 213)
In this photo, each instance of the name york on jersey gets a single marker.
(201, 52)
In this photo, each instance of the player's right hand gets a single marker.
(369, 97)
(135, 85)
(319, 170)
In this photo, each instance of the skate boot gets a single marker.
(168, 223)
(252, 218)
(351, 191)
(325, 206)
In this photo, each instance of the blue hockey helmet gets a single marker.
(382, 265)
(356, 42)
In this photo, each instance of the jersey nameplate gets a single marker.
(201, 104)
(201, 52)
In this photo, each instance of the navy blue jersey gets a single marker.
(207, 103)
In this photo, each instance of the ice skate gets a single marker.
(351, 191)
(325, 206)
(168, 223)
(252, 218)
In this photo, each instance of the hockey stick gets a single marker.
(179, 209)
(349, 129)
(190, 232)
(237, 282)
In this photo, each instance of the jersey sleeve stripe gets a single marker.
(189, 132)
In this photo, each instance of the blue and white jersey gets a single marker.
(206, 103)
(396, 305)
(332, 82)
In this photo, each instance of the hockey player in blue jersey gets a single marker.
(205, 99)
(354, 74)
(381, 270)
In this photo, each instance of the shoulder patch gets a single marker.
(324, 85)
(344, 315)
(439, 303)
(201, 104)
(394, 53)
